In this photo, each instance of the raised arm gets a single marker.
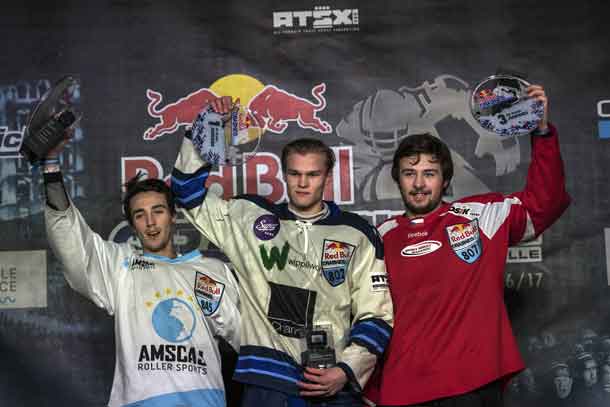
(207, 212)
(544, 197)
(90, 264)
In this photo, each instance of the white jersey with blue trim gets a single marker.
(168, 314)
(295, 277)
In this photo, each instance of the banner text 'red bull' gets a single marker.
(260, 175)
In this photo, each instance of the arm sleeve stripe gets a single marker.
(373, 334)
(383, 331)
(188, 181)
(369, 342)
(189, 189)
(185, 200)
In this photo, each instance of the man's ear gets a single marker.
(326, 181)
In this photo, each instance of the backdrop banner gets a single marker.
(358, 75)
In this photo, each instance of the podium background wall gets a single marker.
(389, 68)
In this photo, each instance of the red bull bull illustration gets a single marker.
(275, 108)
(173, 115)
(271, 107)
(336, 250)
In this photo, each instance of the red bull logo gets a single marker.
(208, 293)
(275, 108)
(207, 285)
(462, 231)
(336, 246)
(486, 93)
(335, 260)
(173, 115)
(272, 108)
(465, 240)
(336, 250)
(456, 229)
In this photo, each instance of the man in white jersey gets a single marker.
(170, 310)
(312, 279)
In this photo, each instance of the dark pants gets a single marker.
(256, 396)
(489, 395)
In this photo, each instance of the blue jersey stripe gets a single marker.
(384, 332)
(269, 367)
(206, 397)
(268, 360)
(374, 334)
(267, 373)
(378, 348)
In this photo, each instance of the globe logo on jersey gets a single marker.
(174, 320)
(465, 240)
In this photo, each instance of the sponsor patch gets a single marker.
(208, 293)
(266, 227)
(379, 282)
(421, 248)
(465, 240)
(291, 310)
(274, 257)
(140, 264)
(463, 210)
(335, 260)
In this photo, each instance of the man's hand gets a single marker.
(537, 92)
(322, 382)
(223, 104)
(54, 152)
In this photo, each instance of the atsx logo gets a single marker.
(320, 19)
(603, 112)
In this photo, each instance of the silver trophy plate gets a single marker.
(226, 139)
(500, 104)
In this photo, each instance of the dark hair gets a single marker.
(305, 146)
(135, 186)
(424, 143)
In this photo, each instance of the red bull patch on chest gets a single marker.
(335, 260)
(208, 293)
(465, 240)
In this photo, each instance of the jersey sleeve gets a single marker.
(92, 265)
(371, 309)
(544, 197)
(227, 320)
(206, 211)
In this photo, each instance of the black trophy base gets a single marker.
(319, 358)
(36, 146)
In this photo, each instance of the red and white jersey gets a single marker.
(451, 329)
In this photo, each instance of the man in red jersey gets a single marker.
(453, 344)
